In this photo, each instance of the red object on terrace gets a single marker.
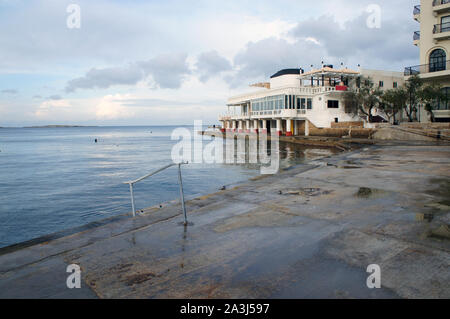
(341, 88)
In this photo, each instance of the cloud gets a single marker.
(9, 91)
(210, 64)
(54, 97)
(311, 41)
(354, 42)
(110, 107)
(105, 78)
(47, 108)
(166, 70)
(259, 60)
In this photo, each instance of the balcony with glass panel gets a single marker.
(416, 13)
(441, 6)
(441, 31)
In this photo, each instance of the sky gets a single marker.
(175, 61)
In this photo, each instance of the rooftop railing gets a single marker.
(443, 27)
(416, 10)
(427, 68)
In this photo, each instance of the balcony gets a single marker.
(428, 69)
(441, 31)
(416, 13)
(416, 38)
(440, 6)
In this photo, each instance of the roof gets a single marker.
(286, 71)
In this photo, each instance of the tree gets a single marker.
(428, 95)
(362, 100)
(393, 101)
(412, 86)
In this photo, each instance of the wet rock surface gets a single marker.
(308, 232)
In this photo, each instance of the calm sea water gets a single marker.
(53, 179)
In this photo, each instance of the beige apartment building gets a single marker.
(433, 41)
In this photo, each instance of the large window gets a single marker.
(437, 60)
(268, 103)
(333, 104)
(445, 24)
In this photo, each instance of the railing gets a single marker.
(416, 10)
(440, 2)
(180, 181)
(427, 68)
(416, 35)
(443, 27)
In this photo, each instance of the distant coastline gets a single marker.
(56, 126)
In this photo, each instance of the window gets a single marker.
(445, 24)
(309, 104)
(395, 85)
(303, 103)
(333, 104)
(437, 60)
(381, 84)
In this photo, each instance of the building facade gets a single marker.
(433, 41)
(294, 100)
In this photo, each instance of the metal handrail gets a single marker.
(442, 27)
(180, 181)
(427, 68)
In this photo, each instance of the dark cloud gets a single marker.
(323, 39)
(390, 45)
(104, 78)
(9, 91)
(167, 71)
(54, 97)
(259, 60)
(210, 64)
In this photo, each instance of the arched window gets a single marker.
(437, 60)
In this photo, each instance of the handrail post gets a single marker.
(182, 194)
(132, 199)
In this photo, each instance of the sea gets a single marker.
(58, 178)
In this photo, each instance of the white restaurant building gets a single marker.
(294, 100)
